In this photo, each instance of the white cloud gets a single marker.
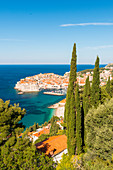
(100, 47)
(86, 24)
(6, 39)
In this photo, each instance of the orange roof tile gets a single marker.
(30, 133)
(53, 145)
(63, 101)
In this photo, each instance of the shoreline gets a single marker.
(59, 108)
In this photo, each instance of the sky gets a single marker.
(44, 31)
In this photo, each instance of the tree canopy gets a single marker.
(99, 127)
(95, 89)
(15, 152)
(70, 112)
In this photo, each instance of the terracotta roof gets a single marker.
(53, 145)
(63, 101)
(20, 134)
(30, 133)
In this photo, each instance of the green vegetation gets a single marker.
(111, 87)
(70, 116)
(99, 127)
(88, 124)
(82, 162)
(78, 123)
(18, 153)
(42, 138)
(86, 96)
(69, 163)
(86, 102)
(9, 117)
(34, 127)
(94, 124)
(54, 126)
(104, 94)
(95, 89)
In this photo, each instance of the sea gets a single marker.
(36, 104)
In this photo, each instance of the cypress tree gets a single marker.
(86, 96)
(72, 127)
(111, 87)
(95, 90)
(70, 114)
(108, 87)
(86, 102)
(78, 122)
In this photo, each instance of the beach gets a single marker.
(59, 108)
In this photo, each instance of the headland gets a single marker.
(51, 81)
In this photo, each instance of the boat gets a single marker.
(20, 92)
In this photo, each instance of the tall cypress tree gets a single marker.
(86, 103)
(86, 96)
(108, 87)
(78, 122)
(70, 113)
(95, 90)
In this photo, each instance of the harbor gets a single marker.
(53, 93)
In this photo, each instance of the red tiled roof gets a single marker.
(53, 145)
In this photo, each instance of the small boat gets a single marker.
(21, 92)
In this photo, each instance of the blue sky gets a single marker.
(34, 31)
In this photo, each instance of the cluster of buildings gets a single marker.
(54, 146)
(42, 81)
(34, 135)
(54, 81)
(104, 76)
(27, 85)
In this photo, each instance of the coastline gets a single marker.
(58, 108)
(32, 102)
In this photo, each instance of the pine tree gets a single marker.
(108, 87)
(70, 113)
(95, 90)
(18, 153)
(78, 122)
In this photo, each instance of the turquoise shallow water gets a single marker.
(36, 104)
(37, 107)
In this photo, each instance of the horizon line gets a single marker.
(48, 63)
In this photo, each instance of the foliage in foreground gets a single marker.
(99, 127)
(54, 126)
(70, 112)
(95, 88)
(81, 162)
(18, 153)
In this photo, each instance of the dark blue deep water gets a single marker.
(35, 103)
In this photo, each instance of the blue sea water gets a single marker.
(36, 104)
